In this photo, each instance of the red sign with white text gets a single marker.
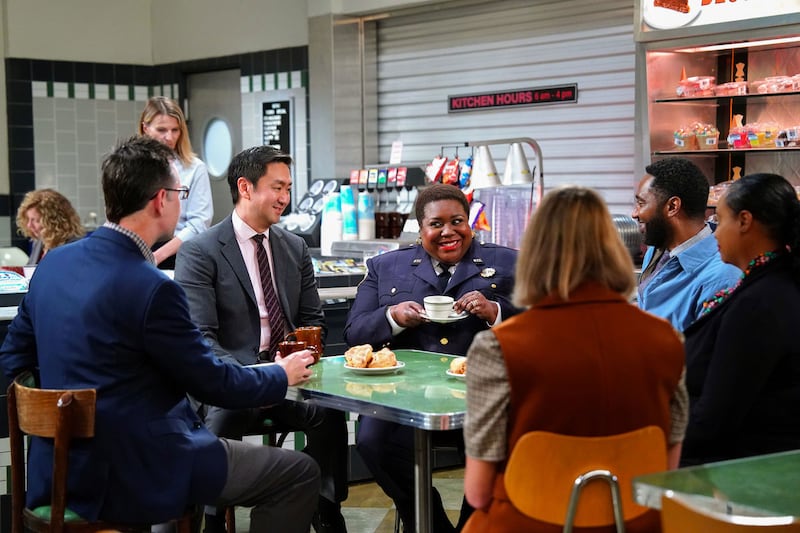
(515, 98)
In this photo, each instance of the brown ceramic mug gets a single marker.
(287, 347)
(311, 335)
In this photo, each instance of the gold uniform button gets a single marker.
(394, 290)
(444, 341)
(494, 285)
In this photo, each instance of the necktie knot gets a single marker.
(444, 276)
(259, 238)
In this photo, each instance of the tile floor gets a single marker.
(369, 510)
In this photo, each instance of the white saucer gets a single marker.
(446, 320)
(454, 375)
(376, 371)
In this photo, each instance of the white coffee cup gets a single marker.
(438, 306)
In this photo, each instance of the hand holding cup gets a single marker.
(296, 366)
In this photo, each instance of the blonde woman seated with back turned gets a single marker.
(580, 361)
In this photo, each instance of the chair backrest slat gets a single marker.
(58, 414)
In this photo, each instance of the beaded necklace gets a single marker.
(723, 295)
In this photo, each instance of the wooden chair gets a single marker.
(557, 478)
(60, 415)
(678, 515)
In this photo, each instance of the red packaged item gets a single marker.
(433, 172)
(451, 171)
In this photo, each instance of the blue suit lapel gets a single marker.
(423, 268)
(469, 267)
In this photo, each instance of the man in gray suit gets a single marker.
(242, 317)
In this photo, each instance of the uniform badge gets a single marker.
(488, 272)
(416, 261)
(444, 341)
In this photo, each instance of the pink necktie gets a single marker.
(274, 313)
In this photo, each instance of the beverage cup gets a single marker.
(311, 335)
(438, 306)
(287, 347)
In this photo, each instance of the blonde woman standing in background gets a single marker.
(163, 120)
(47, 218)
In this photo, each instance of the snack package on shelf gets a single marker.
(696, 136)
(433, 172)
(451, 172)
(774, 85)
(734, 88)
(754, 135)
(696, 86)
(466, 172)
(737, 135)
(684, 138)
(707, 136)
(788, 137)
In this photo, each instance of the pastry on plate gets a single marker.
(458, 365)
(358, 356)
(383, 358)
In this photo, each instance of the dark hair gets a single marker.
(435, 193)
(773, 202)
(132, 173)
(680, 177)
(251, 164)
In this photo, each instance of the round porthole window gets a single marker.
(217, 147)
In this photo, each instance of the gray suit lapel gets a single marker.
(277, 246)
(233, 255)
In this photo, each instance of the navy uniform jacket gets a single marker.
(407, 274)
(98, 315)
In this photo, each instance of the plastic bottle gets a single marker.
(331, 223)
(349, 219)
(366, 216)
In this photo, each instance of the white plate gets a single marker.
(662, 18)
(376, 371)
(446, 320)
(454, 375)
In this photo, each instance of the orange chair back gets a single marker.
(544, 466)
(680, 516)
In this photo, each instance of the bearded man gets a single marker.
(682, 267)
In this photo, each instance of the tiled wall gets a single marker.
(63, 116)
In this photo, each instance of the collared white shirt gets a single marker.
(244, 238)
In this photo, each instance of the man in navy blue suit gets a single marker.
(99, 314)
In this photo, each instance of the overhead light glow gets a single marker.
(747, 44)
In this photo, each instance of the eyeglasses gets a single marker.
(184, 192)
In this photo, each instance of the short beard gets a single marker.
(656, 232)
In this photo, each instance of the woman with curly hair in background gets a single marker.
(47, 218)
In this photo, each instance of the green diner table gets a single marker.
(763, 485)
(421, 395)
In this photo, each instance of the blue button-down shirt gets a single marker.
(677, 291)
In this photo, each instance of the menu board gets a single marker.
(275, 121)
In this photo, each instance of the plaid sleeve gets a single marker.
(486, 424)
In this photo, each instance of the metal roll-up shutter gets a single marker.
(466, 48)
